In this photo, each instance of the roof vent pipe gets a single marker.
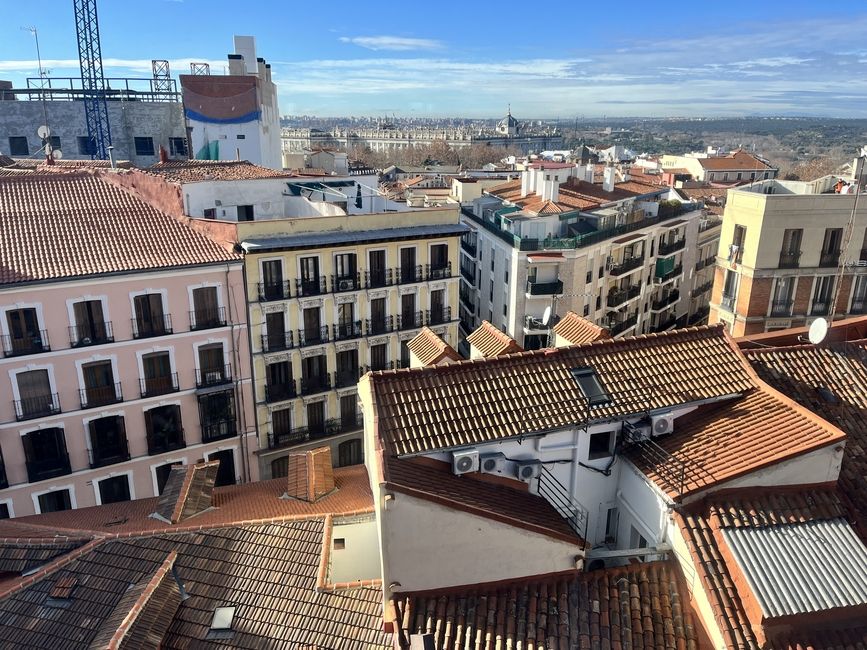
(111, 157)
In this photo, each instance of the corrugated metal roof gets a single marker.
(334, 237)
(802, 568)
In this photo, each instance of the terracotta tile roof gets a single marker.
(310, 475)
(430, 349)
(267, 572)
(232, 504)
(831, 381)
(62, 165)
(578, 330)
(492, 399)
(739, 160)
(491, 342)
(197, 171)
(701, 525)
(719, 442)
(188, 491)
(641, 607)
(502, 500)
(23, 553)
(75, 224)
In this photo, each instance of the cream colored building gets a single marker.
(331, 298)
(780, 254)
(736, 166)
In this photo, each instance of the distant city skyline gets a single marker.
(448, 60)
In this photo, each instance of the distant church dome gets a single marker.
(508, 125)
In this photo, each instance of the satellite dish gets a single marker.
(57, 154)
(818, 331)
(546, 315)
(43, 132)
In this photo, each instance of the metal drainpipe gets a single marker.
(239, 393)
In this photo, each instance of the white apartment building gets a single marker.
(624, 255)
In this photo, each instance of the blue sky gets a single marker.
(472, 59)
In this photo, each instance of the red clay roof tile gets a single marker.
(430, 349)
(578, 330)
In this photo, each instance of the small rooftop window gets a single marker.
(590, 386)
(223, 618)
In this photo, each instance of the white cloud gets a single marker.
(397, 43)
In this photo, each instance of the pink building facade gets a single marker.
(107, 380)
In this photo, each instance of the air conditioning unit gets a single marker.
(661, 424)
(465, 461)
(527, 470)
(345, 285)
(492, 463)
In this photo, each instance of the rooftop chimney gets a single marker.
(164, 155)
(608, 179)
(588, 173)
(310, 474)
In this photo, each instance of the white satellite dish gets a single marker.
(43, 132)
(818, 331)
(57, 154)
(546, 315)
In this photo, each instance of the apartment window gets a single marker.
(217, 415)
(158, 376)
(730, 289)
(611, 520)
(25, 337)
(272, 280)
(600, 445)
(150, 320)
(404, 355)
(18, 146)
(114, 489)
(350, 452)
(99, 385)
(506, 276)
(86, 145)
(162, 475)
(278, 381)
(349, 412)
(376, 269)
(226, 471)
(241, 136)
(784, 289)
(316, 418)
(45, 454)
(378, 322)
(823, 294)
(144, 146)
(310, 284)
(314, 374)
(281, 425)
(831, 247)
(408, 268)
(859, 296)
(164, 429)
(245, 213)
(35, 396)
(636, 539)
(379, 356)
(90, 326)
(437, 307)
(212, 365)
(275, 332)
(210, 213)
(54, 501)
(108, 443)
(347, 368)
(312, 326)
(344, 266)
(4, 510)
(54, 142)
(598, 302)
(589, 278)
(586, 310)
(206, 310)
(178, 146)
(736, 250)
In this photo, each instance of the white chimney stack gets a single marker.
(588, 173)
(608, 179)
(525, 182)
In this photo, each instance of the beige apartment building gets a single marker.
(783, 256)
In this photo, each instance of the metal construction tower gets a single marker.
(92, 78)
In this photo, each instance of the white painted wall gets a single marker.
(359, 559)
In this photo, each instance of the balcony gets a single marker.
(280, 392)
(627, 265)
(466, 298)
(45, 468)
(469, 247)
(665, 325)
(29, 408)
(95, 334)
(311, 287)
(439, 272)
(350, 282)
(219, 429)
(820, 307)
(859, 306)
(618, 328)
(143, 328)
(790, 259)
(665, 301)
(100, 395)
(670, 275)
(711, 221)
(31, 343)
(379, 325)
(298, 435)
(313, 336)
(727, 302)
(344, 331)
(700, 265)
(544, 288)
(378, 278)
(208, 318)
(278, 342)
(409, 274)
(347, 377)
(702, 289)
(214, 376)
(532, 324)
(468, 274)
(782, 307)
(409, 320)
(438, 316)
(699, 317)
(288, 437)
(618, 297)
(315, 384)
(669, 248)
(160, 442)
(344, 425)
(467, 325)
(269, 291)
(101, 456)
(389, 365)
(152, 386)
(829, 258)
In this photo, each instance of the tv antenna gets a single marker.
(43, 74)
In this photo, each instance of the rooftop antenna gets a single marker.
(43, 73)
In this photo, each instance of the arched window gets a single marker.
(350, 453)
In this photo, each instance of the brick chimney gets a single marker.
(310, 474)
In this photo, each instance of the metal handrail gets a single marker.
(555, 493)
